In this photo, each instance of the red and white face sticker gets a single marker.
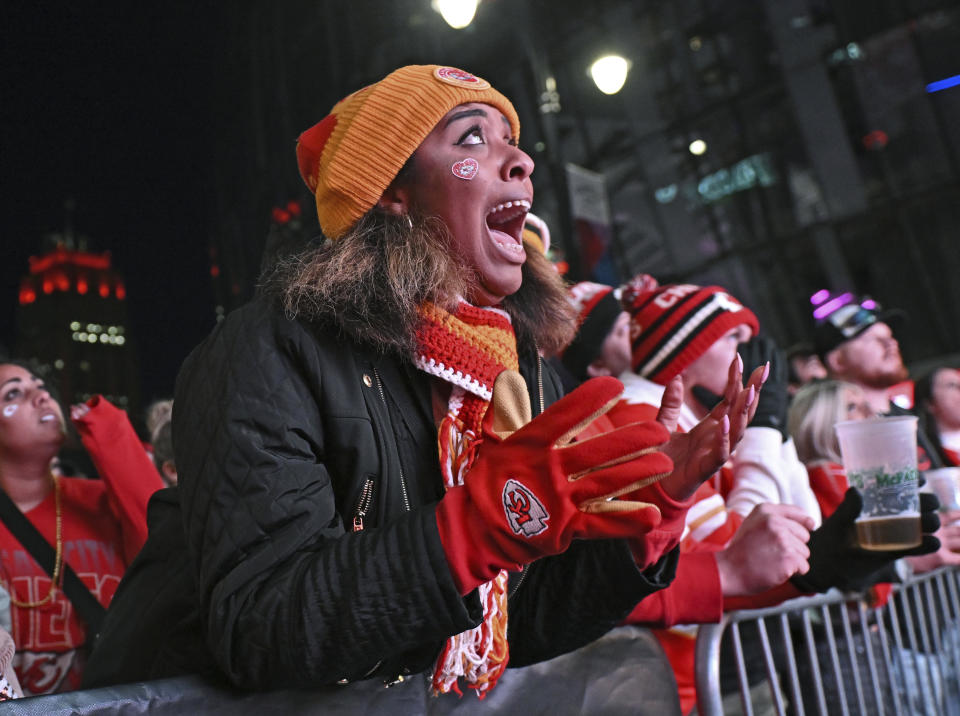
(459, 78)
(465, 168)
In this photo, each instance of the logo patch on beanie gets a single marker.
(459, 78)
(465, 168)
(526, 515)
(728, 302)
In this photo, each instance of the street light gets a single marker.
(697, 147)
(609, 73)
(457, 13)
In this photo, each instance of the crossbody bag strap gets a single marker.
(87, 606)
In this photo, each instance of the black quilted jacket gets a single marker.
(288, 437)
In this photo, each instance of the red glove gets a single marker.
(532, 491)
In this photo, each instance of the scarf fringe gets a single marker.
(479, 655)
(457, 348)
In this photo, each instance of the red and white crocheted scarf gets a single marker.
(468, 349)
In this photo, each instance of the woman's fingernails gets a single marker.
(740, 362)
(751, 394)
(726, 424)
(766, 373)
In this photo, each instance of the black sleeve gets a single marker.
(567, 601)
(288, 597)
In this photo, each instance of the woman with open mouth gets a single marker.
(377, 470)
(92, 529)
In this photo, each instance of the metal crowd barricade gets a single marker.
(835, 654)
(599, 678)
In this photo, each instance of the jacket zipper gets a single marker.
(403, 480)
(361, 509)
(540, 379)
(363, 504)
(406, 506)
(523, 574)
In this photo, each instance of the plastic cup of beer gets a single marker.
(944, 483)
(880, 459)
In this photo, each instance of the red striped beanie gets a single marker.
(671, 326)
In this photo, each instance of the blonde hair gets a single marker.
(816, 409)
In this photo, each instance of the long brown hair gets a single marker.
(371, 282)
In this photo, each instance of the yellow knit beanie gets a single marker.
(350, 157)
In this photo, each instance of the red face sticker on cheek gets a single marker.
(465, 168)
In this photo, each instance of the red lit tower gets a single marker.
(72, 320)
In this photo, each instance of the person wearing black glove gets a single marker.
(693, 332)
(773, 399)
(836, 560)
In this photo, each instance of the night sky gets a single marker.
(108, 104)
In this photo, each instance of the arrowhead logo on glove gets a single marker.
(526, 515)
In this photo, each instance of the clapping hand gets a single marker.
(698, 454)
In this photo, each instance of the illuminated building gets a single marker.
(72, 320)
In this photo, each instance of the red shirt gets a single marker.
(104, 525)
(952, 456)
(829, 483)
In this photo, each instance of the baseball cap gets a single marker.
(848, 322)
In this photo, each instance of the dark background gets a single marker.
(108, 104)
